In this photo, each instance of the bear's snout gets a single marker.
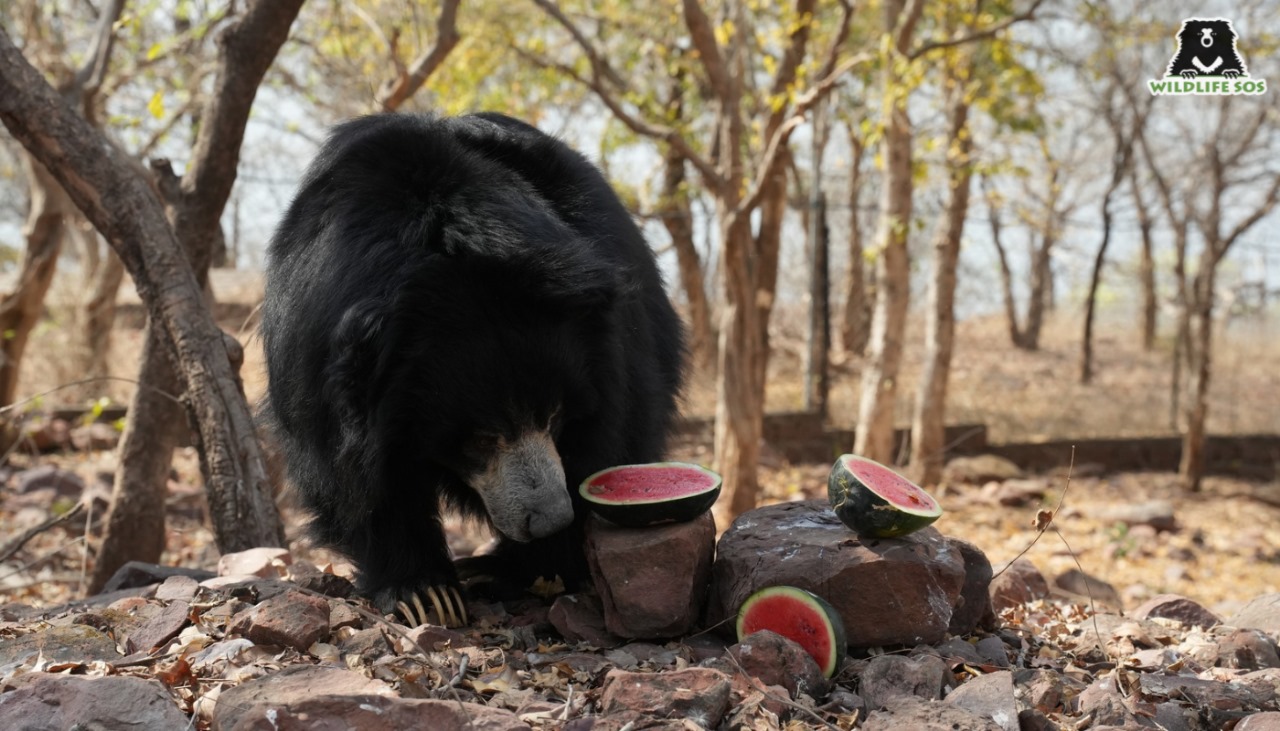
(523, 488)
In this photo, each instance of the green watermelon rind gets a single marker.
(657, 511)
(869, 513)
(830, 620)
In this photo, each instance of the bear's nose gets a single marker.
(1206, 37)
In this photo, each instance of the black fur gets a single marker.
(439, 280)
(1192, 37)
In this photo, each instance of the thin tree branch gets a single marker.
(985, 33)
(396, 91)
(598, 62)
(704, 41)
(88, 79)
(1265, 207)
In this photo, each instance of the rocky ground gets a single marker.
(1162, 614)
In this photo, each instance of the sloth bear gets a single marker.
(1206, 48)
(459, 312)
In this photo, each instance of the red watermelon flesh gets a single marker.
(800, 616)
(637, 496)
(890, 485)
(645, 483)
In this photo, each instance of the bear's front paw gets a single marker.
(1231, 73)
(440, 604)
(1189, 73)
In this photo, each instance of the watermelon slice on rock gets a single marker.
(800, 616)
(635, 496)
(877, 502)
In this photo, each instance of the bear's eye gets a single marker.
(481, 443)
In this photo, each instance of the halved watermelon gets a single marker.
(877, 502)
(800, 616)
(640, 495)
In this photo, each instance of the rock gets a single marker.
(974, 608)
(98, 435)
(1260, 722)
(698, 694)
(980, 469)
(1021, 583)
(1156, 513)
(59, 643)
(367, 645)
(292, 619)
(374, 713)
(913, 714)
(1020, 493)
(1247, 649)
(289, 685)
(1082, 587)
(45, 435)
(888, 679)
(989, 696)
(652, 581)
(111, 703)
(306, 575)
(1178, 608)
(1029, 719)
(993, 650)
(254, 562)
(177, 588)
(957, 650)
(888, 592)
(1261, 613)
(61, 483)
(1044, 690)
(1103, 702)
(159, 629)
(580, 618)
(139, 573)
(775, 660)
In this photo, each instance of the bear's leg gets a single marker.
(404, 563)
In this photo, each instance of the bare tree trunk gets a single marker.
(1095, 279)
(677, 217)
(854, 331)
(928, 439)
(21, 309)
(874, 436)
(817, 376)
(100, 316)
(194, 207)
(1146, 267)
(1041, 286)
(1182, 331)
(1006, 273)
(1199, 348)
(123, 207)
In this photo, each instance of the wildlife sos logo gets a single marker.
(1207, 62)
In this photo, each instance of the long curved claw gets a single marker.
(447, 607)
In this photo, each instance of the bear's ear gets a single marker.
(578, 282)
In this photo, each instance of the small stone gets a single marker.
(580, 618)
(700, 695)
(283, 688)
(915, 714)
(888, 679)
(652, 581)
(1021, 583)
(161, 628)
(1158, 514)
(1269, 721)
(95, 436)
(1103, 702)
(140, 573)
(342, 615)
(1021, 493)
(1261, 613)
(254, 562)
(47, 477)
(1084, 587)
(307, 576)
(76, 643)
(1247, 649)
(979, 470)
(775, 660)
(177, 588)
(367, 645)
(989, 696)
(994, 650)
(45, 435)
(1178, 608)
(957, 650)
(292, 619)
